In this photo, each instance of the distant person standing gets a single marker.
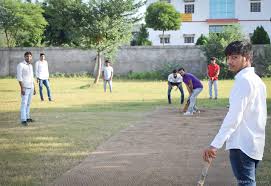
(194, 87)
(175, 79)
(26, 80)
(42, 74)
(107, 74)
(213, 72)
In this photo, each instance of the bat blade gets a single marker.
(204, 173)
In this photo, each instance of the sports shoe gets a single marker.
(188, 114)
(30, 120)
(196, 111)
(24, 123)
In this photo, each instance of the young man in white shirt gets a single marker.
(26, 82)
(243, 128)
(175, 79)
(42, 74)
(107, 74)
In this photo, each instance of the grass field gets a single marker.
(81, 117)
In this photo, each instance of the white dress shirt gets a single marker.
(108, 72)
(25, 74)
(42, 71)
(244, 125)
(178, 79)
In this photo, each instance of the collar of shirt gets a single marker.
(26, 62)
(243, 71)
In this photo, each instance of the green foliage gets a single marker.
(202, 40)
(260, 36)
(162, 16)
(22, 23)
(106, 27)
(64, 17)
(263, 66)
(142, 38)
(216, 45)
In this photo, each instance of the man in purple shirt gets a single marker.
(194, 87)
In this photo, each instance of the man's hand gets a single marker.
(209, 153)
(22, 92)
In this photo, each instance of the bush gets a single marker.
(263, 65)
(202, 40)
(260, 36)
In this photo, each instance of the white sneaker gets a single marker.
(188, 114)
(196, 111)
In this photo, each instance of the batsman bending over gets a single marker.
(175, 79)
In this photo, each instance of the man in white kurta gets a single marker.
(243, 128)
(26, 82)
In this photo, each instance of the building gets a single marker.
(206, 16)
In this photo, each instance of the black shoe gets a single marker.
(30, 120)
(24, 123)
(50, 99)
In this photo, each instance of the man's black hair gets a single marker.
(42, 54)
(174, 71)
(181, 69)
(243, 48)
(27, 53)
(213, 58)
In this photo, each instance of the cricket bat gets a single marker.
(186, 106)
(204, 172)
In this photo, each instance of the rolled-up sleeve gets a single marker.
(239, 99)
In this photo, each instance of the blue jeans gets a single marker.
(25, 104)
(180, 87)
(193, 98)
(244, 168)
(211, 83)
(47, 85)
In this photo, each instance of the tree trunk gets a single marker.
(6, 32)
(99, 60)
(163, 37)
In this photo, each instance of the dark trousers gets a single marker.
(180, 87)
(244, 168)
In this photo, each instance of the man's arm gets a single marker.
(238, 101)
(111, 75)
(189, 87)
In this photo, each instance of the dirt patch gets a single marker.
(162, 148)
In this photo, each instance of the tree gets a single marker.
(106, 27)
(22, 23)
(64, 17)
(142, 37)
(217, 43)
(260, 36)
(202, 40)
(162, 16)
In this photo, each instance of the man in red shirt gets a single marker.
(213, 72)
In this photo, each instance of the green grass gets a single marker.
(82, 117)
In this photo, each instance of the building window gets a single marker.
(222, 9)
(255, 7)
(166, 40)
(189, 38)
(189, 8)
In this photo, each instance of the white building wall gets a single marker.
(247, 20)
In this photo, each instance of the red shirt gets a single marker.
(212, 71)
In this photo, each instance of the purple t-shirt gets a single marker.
(195, 81)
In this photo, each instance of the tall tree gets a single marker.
(107, 24)
(216, 44)
(260, 36)
(64, 18)
(162, 16)
(23, 23)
